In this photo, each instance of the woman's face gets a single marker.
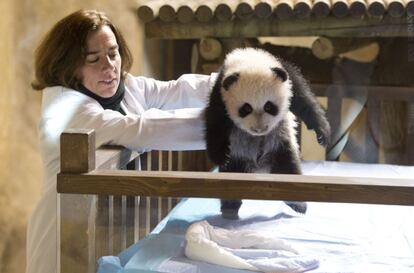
(102, 69)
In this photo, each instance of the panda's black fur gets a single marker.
(250, 117)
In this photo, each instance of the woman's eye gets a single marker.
(92, 60)
(113, 54)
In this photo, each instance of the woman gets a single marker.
(82, 67)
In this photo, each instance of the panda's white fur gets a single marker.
(256, 85)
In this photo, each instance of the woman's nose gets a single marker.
(108, 63)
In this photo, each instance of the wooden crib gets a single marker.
(105, 205)
(111, 197)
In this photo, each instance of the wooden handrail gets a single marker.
(80, 155)
(243, 186)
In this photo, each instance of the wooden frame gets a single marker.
(106, 208)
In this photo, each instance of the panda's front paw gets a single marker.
(323, 134)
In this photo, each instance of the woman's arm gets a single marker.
(180, 129)
(188, 91)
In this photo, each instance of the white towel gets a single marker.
(244, 249)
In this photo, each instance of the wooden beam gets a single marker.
(328, 26)
(241, 186)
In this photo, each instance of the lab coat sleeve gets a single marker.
(180, 129)
(188, 91)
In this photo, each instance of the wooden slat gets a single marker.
(130, 220)
(241, 186)
(102, 224)
(328, 26)
(117, 235)
(410, 134)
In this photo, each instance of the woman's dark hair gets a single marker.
(63, 50)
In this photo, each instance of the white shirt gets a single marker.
(159, 115)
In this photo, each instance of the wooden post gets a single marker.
(205, 12)
(358, 8)
(284, 9)
(244, 10)
(185, 13)
(263, 9)
(77, 151)
(224, 11)
(376, 8)
(410, 7)
(395, 8)
(340, 8)
(321, 8)
(148, 10)
(167, 13)
(302, 8)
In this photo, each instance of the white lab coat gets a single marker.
(159, 115)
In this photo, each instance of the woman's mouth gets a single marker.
(108, 82)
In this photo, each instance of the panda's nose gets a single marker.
(259, 130)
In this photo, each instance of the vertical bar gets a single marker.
(142, 207)
(372, 131)
(333, 112)
(111, 225)
(137, 202)
(130, 218)
(410, 133)
(102, 226)
(117, 225)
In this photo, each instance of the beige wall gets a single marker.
(22, 25)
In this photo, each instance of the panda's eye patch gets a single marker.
(245, 110)
(271, 108)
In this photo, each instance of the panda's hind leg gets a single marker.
(286, 161)
(230, 208)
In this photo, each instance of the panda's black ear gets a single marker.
(280, 73)
(229, 80)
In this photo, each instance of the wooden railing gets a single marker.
(105, 208)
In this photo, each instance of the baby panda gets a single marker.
(250, 118)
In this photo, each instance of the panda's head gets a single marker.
(256, 90)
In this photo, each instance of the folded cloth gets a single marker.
(244, 249)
